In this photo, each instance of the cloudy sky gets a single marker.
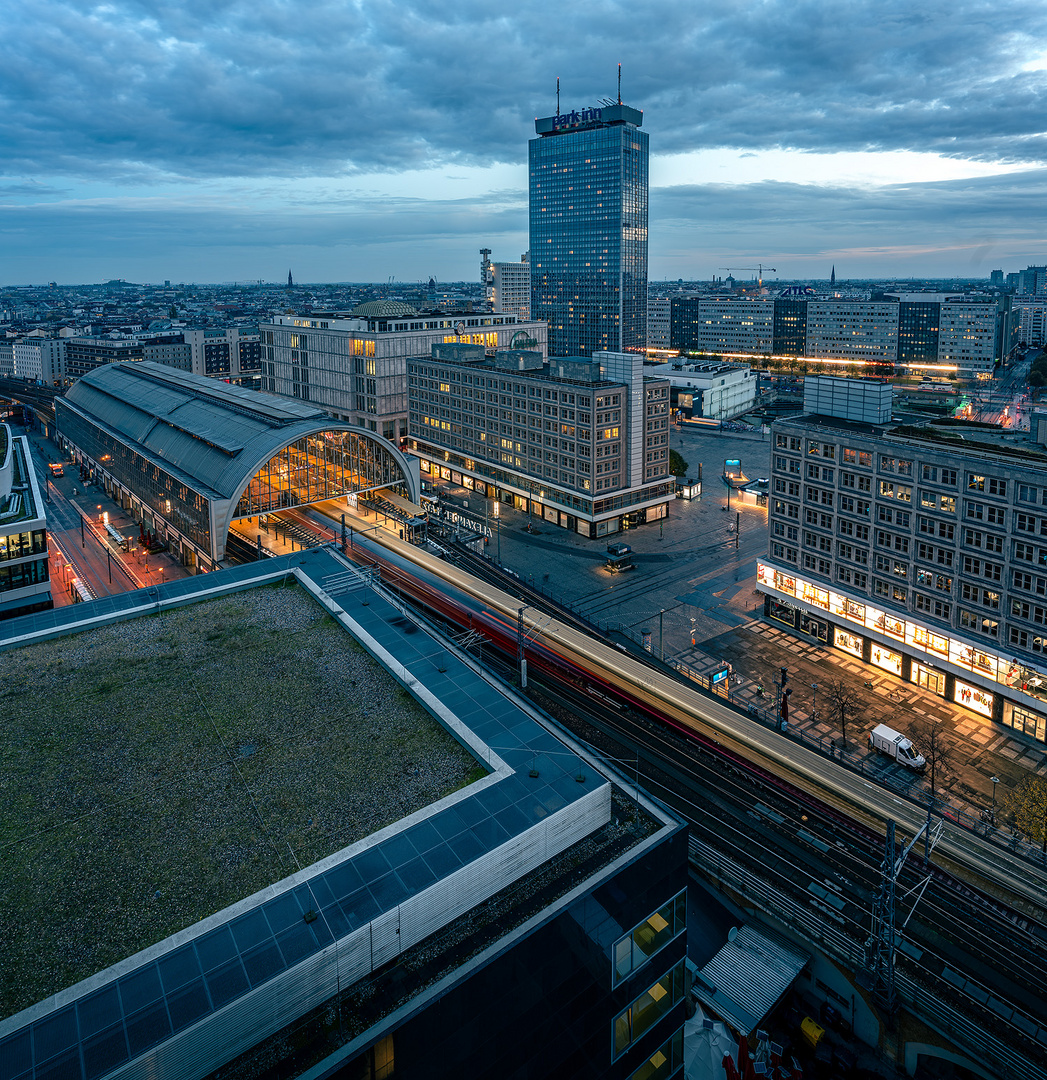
(348, 141)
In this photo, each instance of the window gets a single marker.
(932, 605)
(862, 458)
(889, 590)
(985, 541)
(1027, 493)
(634, 949)
(851, 577)
(664, 1062)
(982, 568)
(1028, 553)
(647, 1009)
(933, 580)
(982, 624)
(945, 504)
(977, 595)
(990, 485)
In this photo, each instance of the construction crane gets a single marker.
(759, 269)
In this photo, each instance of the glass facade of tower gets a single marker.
(588, 219)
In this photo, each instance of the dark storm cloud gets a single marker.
(125, 91)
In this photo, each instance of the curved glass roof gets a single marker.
(211, 430)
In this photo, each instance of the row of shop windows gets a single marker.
(972, 697)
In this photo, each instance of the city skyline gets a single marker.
(194, 146)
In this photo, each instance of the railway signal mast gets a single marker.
(883, 942)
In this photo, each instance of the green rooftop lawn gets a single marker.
(156, 771)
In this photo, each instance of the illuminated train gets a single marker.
(603, 671)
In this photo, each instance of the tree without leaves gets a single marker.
(1028, 803)
(844, 702)
(931, 743)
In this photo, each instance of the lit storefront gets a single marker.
(848, 642)
(973, 697)
(922, 644)
(885, 659)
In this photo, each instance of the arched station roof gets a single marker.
(215, 434)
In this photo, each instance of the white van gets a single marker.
(894, 744)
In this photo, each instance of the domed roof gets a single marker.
(383, 309)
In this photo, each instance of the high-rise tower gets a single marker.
(588, 211)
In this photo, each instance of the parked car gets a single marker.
(619, 549)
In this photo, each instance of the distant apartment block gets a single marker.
(1032, 321)
(25, 580)
(39, 359)
(354, 365)
(1033, 281)
(84, 354)
(582, 442)
(233, 353)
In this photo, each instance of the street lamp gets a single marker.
(995, 780)
(814, 705)
(498, 526)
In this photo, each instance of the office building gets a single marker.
(736, 326)
(857, 330)
(659, 323)
(588, 229)
(916, 550)
(683, 322)
(354, 365)
(25, 580)
(996, 279)
(482, 897)
(509, 287)
(582, 442)
(711, 391)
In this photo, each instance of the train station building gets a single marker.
(188, 456)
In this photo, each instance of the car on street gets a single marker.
(56, 469)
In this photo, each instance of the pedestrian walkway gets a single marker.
(974, 749)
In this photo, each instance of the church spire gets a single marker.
(832, 278)
(290, 280)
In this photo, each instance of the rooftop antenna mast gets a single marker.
(557, 95)
(619, 84)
